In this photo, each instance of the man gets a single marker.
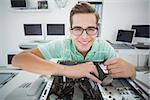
(83, 45)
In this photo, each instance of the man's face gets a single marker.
(84, 41)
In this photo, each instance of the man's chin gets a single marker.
(83, 48)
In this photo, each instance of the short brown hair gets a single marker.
(83, 7)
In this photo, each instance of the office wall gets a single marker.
(121, 14)
(116, 14)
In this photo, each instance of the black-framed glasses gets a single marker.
(77, 31)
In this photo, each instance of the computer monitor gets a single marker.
(32, 29)
(125, 36)
(55, 29)
(142, 34)
(142, 30)
(18, 3)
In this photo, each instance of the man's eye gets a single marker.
(78, 29)
(91, 29)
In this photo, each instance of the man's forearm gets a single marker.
(33, 63)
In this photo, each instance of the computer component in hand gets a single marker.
(103, 73)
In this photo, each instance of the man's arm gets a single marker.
(33, 61)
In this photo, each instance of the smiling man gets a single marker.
(83, 45)
(83, 31)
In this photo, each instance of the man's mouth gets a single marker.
(83, 42)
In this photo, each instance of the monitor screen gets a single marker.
(55, 29)
(18, 3)
(32, 29)
(142, 30)
(125, 35)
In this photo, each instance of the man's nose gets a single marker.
(84, 34)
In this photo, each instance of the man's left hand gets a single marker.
(119, 68)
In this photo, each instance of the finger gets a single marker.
(115, 71)
(113, 66)
(95, 71)
(92, 77)
(111, 61)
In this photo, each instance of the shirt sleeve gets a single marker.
(50, 50)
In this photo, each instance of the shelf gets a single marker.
(30, 10)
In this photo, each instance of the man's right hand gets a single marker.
(82, 70)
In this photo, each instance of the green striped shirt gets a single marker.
(66, 50)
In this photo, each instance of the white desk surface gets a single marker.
(143, 80)
(134, 51)
(19, 79)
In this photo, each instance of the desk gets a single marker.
(19, 79)
(32, 44)
(143, 78)
(22, 77)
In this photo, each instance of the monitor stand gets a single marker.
(41, 41)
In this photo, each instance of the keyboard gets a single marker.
(6, 77)
(141, 46)
(122, 46)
